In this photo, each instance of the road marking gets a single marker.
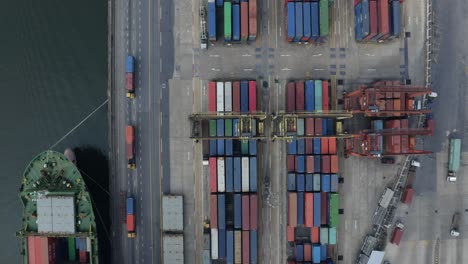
(214, 69)
(409, 20)
(285, 55)
(371, 55)
(285, 69)
(317, 55)
(355, 224)
(216, 55)
(248, 69)
(246, 55)
(371, 70)
(417, 20)
(318, 69)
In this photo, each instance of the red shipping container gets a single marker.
(252, 96)
(397, 105)
(300, 96)
(212, 96)
(334, 164)
(292, 209)
(291, 97)
(309, 146)
(245, 247)
(309, 164)
(384, 21)
(244, 8)
(213, 175)
(307, 252)
(309, 209)
(404, 144)
(404, 123)
(407, 197)
(318, 126)
(324, 146)
(52, 250)
(253, 212)
(235, 97)
(38, 249)
(324, 208)
(213, 211)
(332, 145)
(130, 223)
(252, 19)
(325, 164)
(315, 234)
(380, 99)
(396, 236)
(309, 126)
(410, 104)
(325, 96)
(290, 234)
(412, 142)
(245, 212)
(373, 20)
(83, 258)
(32, 250)
(291, 163)
(389, 101)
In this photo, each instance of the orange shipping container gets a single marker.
(290, 234)
(412, 142)
(309, 209)
(332, 145)
(307, 252)
(334, 164)
(324, 146)
(292, 209)
(410, 104)
(314, 235)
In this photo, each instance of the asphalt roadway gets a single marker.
(139, 28)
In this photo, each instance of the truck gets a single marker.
(455, 222)
(397, 234)
(130, 217)
(130, 76)
(454, 159)
(129, 146)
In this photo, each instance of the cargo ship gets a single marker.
(58, 223)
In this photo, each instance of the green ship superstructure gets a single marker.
(58, 219)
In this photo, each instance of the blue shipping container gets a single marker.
(237, 175)
(235, 22)
(253, 174)
(220, 127)
(211, 21)
(395, 19)
(253, 246)
(309, 183)
(317, 164)
(307, 23)
(365, 26)
(330, 129)
(317, 146)
(323, 252)
(221, 243)
(309, 96)
(291, 21)
(229, 147)
(244, 96)
(229, 174)
(237, 211)
(300, 208)
(326, 183)
(324, 127)
(213, 148)
(301, 146)
(317, 209)
(334, 183)
(316, 254)
(377, 125)
(230, 246)
(292, 147)
(291, 182)
(220, 147)
(314, 10)
(235, 125)
(252, 147)
(357, 22)
(219, 3)
(300, 164)
(129, 64)
(299, 22)
(221, 211)
(130, 205)
(300, 182)
(299, 252)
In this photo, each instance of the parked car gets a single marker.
(387, 160)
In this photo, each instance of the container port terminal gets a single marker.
(284, 132)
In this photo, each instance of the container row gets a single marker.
(312, 164)
(312, 182)
(43, 249)
(377, 20)
(312, 146)
(238, 174)
(309, 95)
(232, 246)
(311, 127)
(313, 209)
(234, 211)
(307, 21)
(232, 96)
(311, 253)
(232, 147)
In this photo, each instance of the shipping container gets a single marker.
(330, 126)
(237, 247)
(252, 96)
(227, 21)
(300, 90)
(358, 22)
(221, 211)
(324, 127)
(229, 174)
(309, 210)
(323, 252)
(220, 147)
(252, 147)
(253, 246)
(334, 207)
(292, 209)
(301, 146)
(324, 208)
(221, 175)
(291, 21)
(318, 128)
(244, 148)
(229, 146)
(309, 96)
(292, 147)
(325, 96)
(309, 146)
(407, 197)
(384, 20)
(236, 96)
(299, 22)
(211, 21)
(318, 93)
(219, 3)
(332, 236)
(300, 127)
(245, 212)
(244, 95)
(228, 97)
(395, 19)
(314, 15)
(316, 254)
(310, 164)
(324, 16)
(236, 22)
(291, 182)
(237, 175)
(334, 164)
(212, 97)
(309, 124)
(317, 163)
(213, 211)
(214, 243)
(365, 27)
(325, 164)
(324, 235)
(252, 20)
(291, 163)
(307, 252)
(307, 22)
(244, 6)
(220, 97)
(212, 128)
(300, 208)
(334, 183)
(228, 127)
(245, 246)
(253, 212)
(332, 145)
(315, 234)
(230, 246)
(235, 127)
(222, 243)
(317, 209)
(396, 236)
(291, 93)
(309, 183)
(299, 252)
(373, 20)
(326, 184)
(245, 174)
(300, 185)
(300, 164)
(324, 145)
(290, 233)
(237, 211)
(253, 174)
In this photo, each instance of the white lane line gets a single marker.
(285, 69)
(285, 55)
(215, 69)
(317, 55)
(371, 70)
(244, 55)
(216, 55)
(248, 70)
(318, 69)
(371, 55)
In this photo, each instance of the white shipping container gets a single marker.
(228, 97)
(221, 179)
(214, 243)
(219, 97)
(245, 174)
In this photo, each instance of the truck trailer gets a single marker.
(129, 146)
(131, 217)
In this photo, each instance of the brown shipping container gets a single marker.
(412, 142)
(245, 247)
(291, 97)
(373, 20)
(410, 104)
(404, 144)
(309, 146)
(332, 145)
(52, 250)
(309, 164)
(380, 101)
(404, 123)
(318, 126)
(324, 146)
(307, 252)
(245, 212)
(407, 197)
(324, 208)
(389, 101)
(300, 96)
(244, 7)
(309, 209)
(238, 247)
(315, 235)
(384, 26)
(253, 212)
(397, 105)
(290, 234)
(325, 164)
(334, 164)
(292, 209)
(309, 125)
(236, 96)
(252, 19)
(213, 211)
(291, 163)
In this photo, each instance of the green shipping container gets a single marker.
(316, 186)
(228, 127)
(324, 235)
(332, 236)
(71, 249)
(227, 21)
(245, 147)
(318, 94)
(212, 128)
(324, 13)
(454, 155)
(300, 126)
(334, 207)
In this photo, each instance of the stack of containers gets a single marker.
(377, 20)
(233, 175)
(239, 19)
(394, 144)
(307, 21)
(312, 178)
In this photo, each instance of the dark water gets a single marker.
(53, 73)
